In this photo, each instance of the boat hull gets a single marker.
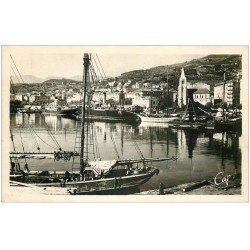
(66, 112)
(113, 115)
(156, 119)
(118, 185)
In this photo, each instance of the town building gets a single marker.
(19, 97)
(39, 99)
(12, 97)
(146, 85)
(202, 96)
(147, 98)
(138, 85)
(74, 98)
(229, 92)
(201, 91)
(146, 102)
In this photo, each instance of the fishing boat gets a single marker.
(155, 117)
(192, 118)
(111, 114)
(88, 176)
(60, 110)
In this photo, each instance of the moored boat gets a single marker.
(156, 118)
(112, 114)
(64, 110)
(89, 176)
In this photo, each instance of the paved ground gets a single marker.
(205, 190)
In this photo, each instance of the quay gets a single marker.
(205, 189)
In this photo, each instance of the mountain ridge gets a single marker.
(209, 69)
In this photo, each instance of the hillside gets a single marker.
(48, 85)
(27, 79)
(209, 69)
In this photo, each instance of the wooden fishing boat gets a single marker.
(89, 176)
(156, 118)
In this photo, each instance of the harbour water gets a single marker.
(200, 155)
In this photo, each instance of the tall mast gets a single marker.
(224, 83)
(86, 61)
(151, 89)
(167, 91)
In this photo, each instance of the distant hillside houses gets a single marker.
(74, 97)
(34, 98)
(150, 98)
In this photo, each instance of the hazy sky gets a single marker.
(69, 65)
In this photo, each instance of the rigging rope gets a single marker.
(93, 70)
(17, 164)
(96, 143)
(138, 150)
(22, 142)
(101, 74)
(93, 75)
(15, 75)
(46, 125)
(34, 138)
(101, 65)
(115, 148)
(42, 139)
(92, 141)
(97, 67)
(17, 69)
(51, 135)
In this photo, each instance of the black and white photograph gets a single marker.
(143, 122)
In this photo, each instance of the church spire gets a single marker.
(183, 74)
(182, 90)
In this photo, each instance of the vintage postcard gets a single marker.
(124, 123)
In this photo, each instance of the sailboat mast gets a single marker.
(224, 87)
(151, 90)
(86, 60)
(167, 92)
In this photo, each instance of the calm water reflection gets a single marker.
(200, 155)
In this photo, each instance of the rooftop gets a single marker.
(202, 91)
(221, 83)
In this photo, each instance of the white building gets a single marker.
(202, 93)
(19, 97)
(146, 85)
(202, 96)
(219, 92)
(76, 97)
(146, 102)
(138, 85)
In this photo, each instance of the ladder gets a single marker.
(77, 148)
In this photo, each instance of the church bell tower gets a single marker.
(182, 90)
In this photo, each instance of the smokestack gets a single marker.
(104, 97)
(121, 98)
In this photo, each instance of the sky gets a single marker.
(70, 65)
